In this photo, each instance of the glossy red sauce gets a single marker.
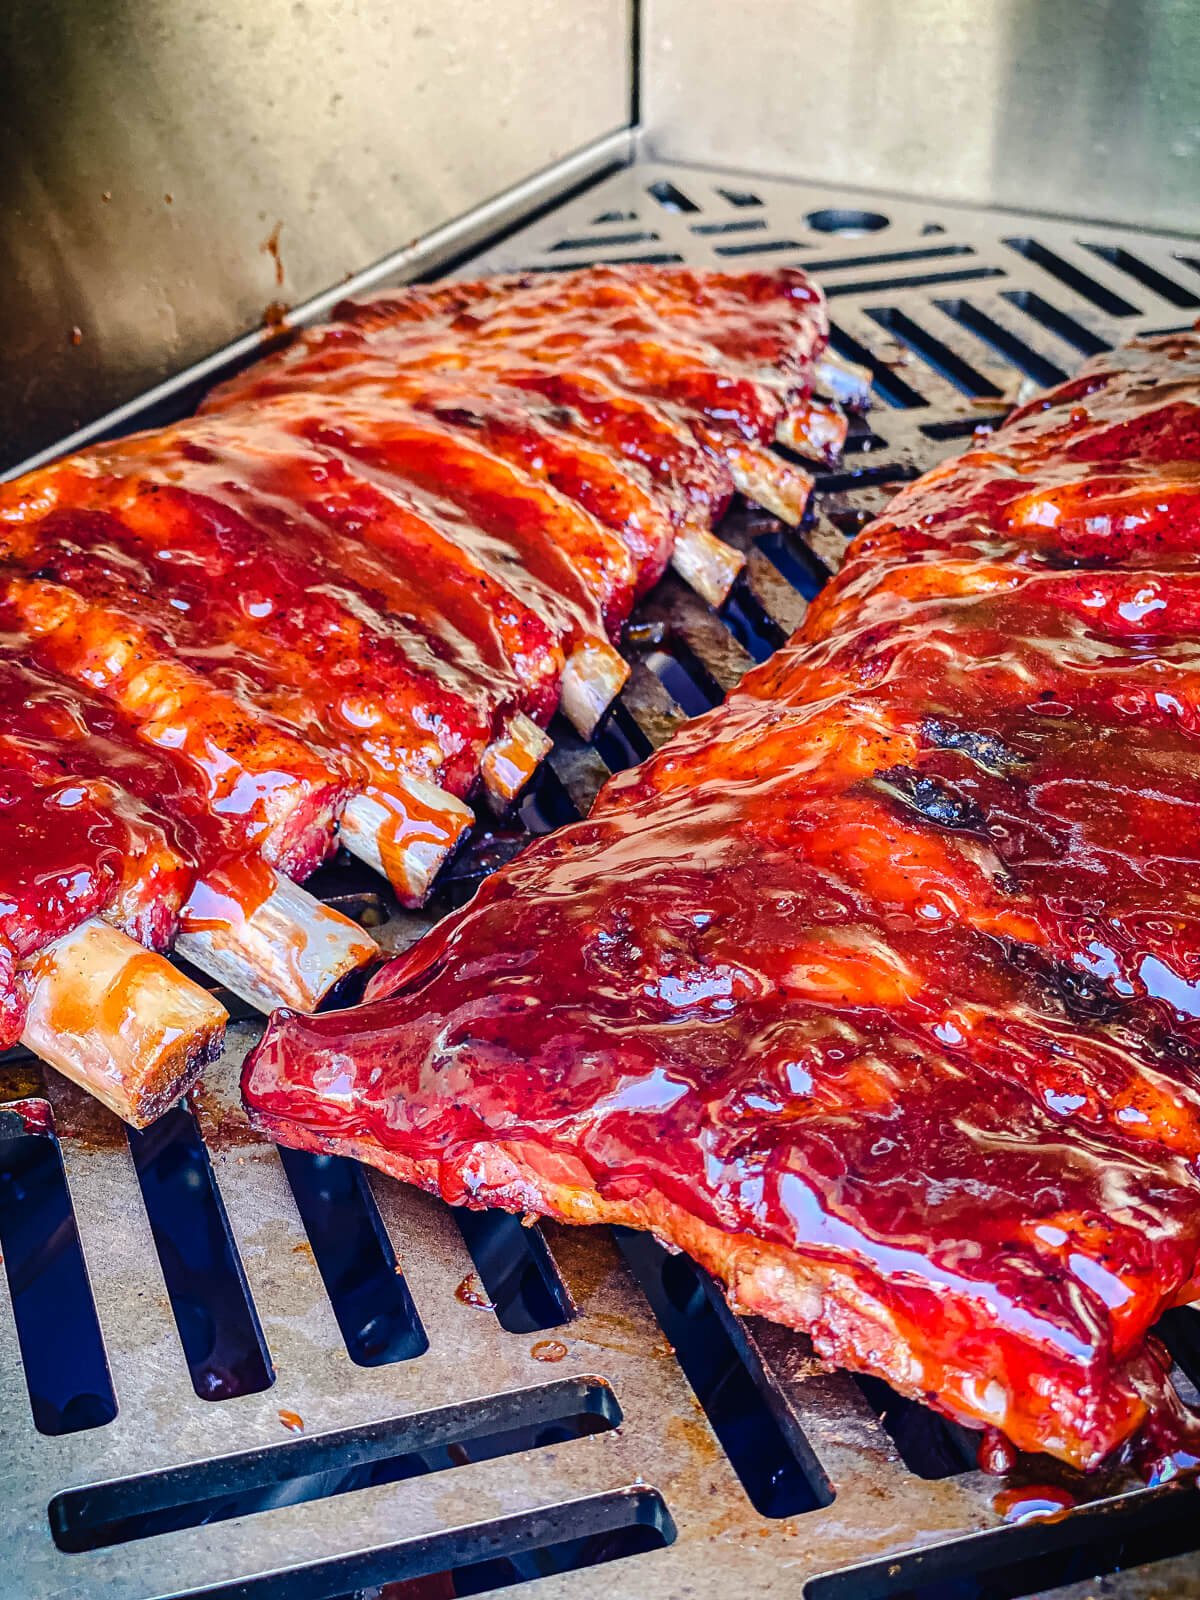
(723, 351)
(92, 820)
(333, 589)
(891, 964)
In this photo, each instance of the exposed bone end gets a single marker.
(814, 428)
(120, 1021)
(511, 760)
(707, 564)
(592, 678)
(844, 381)
(405, 834)
(267, 940)
(768, 480)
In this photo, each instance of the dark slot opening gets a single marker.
(778, 1471)
(751, 624)
(939, 356)
(614, 216)
(1179, 1330)
(218, 1327)
(931, 1446)
(1056, 321)
(846, 220)
(354, 1255)
(738, 225)
(685, 678)
(917, 280)
(619, 740)
(330, 1464)
(605, 241)
(669, 197)
(1005, 343)
(1033, 1558)
(1071, 275)
(961, 427)
(479, 1560)
(518, 1273)
(890, 388)
(756, 247)
(861, 439)
(887, 257)
(545, 803)
(664, 258)
(861, 475)
(797, 563)
(57, 1328)
(1145, 274)
(739, 197)
(1188, 261)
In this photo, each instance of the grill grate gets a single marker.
(328, 1384)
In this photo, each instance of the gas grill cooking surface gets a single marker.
(301, 1379)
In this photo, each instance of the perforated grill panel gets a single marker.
(323, 1382)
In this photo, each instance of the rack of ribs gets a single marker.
(344, 603)
(877, 989)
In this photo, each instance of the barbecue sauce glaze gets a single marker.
(878, 988)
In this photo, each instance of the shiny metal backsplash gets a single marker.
(1088, 108)
(170, 171)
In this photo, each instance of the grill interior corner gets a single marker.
(655, 687)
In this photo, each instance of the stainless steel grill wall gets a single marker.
(168, 171)
(1089, 109)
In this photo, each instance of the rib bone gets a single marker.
(267, 940)
(120, 1021)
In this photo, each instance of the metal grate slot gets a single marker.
(1125, 261)
(779, 1474)
(520, 1280)
(661, 258)
(218, 1327)
(329, 1464)
(937, 354)
(56, 1324)
(1180, 1332)
(545, 804)
(670, 197)
(497, 1555)
(362, 1277)
(754, 247)
(738, 225)
(1055, 320)
(752, 624)
(1014, 350)
(916, 280)
(1036, 1557)
(960, 427)
(739, 197)
(619, 740)
(607, 241)
(795, 561)
(888, 258)
(1050, 261)
(685, 678)
(887, 385)
(929, 1445)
